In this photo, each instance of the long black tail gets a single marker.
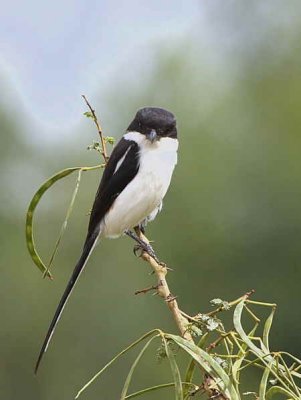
(87, 250)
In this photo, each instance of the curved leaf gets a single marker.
(239, 329)
(208, 363)
(191, 365)
(134, 365)
(150, 389)
(277, 390)
(64, 225)
(267, 328)
(115, 358)
(154, 388)
(241, 354)
(31, 209)
(175, 372)
(263, 384)
(263, 353)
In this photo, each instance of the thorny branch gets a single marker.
(181, 319)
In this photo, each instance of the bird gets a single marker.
(131, 190)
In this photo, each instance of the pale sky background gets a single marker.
(52, 52)
(55, 51)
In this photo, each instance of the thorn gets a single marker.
(170, 298)
(248, 294)
(146, 290)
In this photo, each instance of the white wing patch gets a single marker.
(121, 160)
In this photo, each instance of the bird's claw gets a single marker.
(145, 247)
(137, 248)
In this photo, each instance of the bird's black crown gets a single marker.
(149, 118)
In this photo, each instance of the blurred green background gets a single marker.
(232, 217)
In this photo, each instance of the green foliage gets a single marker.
(95, 146)
(226, 371)
(109, 139)
(88, 114)
(29, 228)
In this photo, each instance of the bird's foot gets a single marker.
(147, 248)
(142, 247)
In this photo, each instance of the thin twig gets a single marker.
(103, 144)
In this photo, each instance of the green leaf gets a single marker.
(31, 210)
(109, 139)
(239, 329)
(124, 351)
(194, 330)
(88, 114)
(175, 371)
(95, 146)
(30, 214)
(263, 384)
(241, 355)
(154, 388)
(267, 328)
(262, 354)
(64, 225)
(134, 365)
(191, 365)
(216, 302)
(212, 324)
(207, 362)
(277, 390)
(221, 303)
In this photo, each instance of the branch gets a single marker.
(164, 292)
(103, 143)
(209, 386)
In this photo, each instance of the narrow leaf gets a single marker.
(239, 329)
(154, 388)
(132, 345)
(31, 210)
(277, 390)
(191, 365)
(134, 365)
(267, 328)
(263, 384)
(175, 371)
(264, 355)
(241, 355)
(64, 225)
(30, 213)
(207, 362)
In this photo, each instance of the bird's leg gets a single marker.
(142, 245)
(141, 227)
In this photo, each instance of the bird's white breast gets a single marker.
(146, 191)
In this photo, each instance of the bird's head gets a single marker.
(154, 123)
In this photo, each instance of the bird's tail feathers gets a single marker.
(87, 250)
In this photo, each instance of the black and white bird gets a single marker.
(133, 185)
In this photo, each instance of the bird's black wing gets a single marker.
(122, 167)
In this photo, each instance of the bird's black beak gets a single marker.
(152, 136)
